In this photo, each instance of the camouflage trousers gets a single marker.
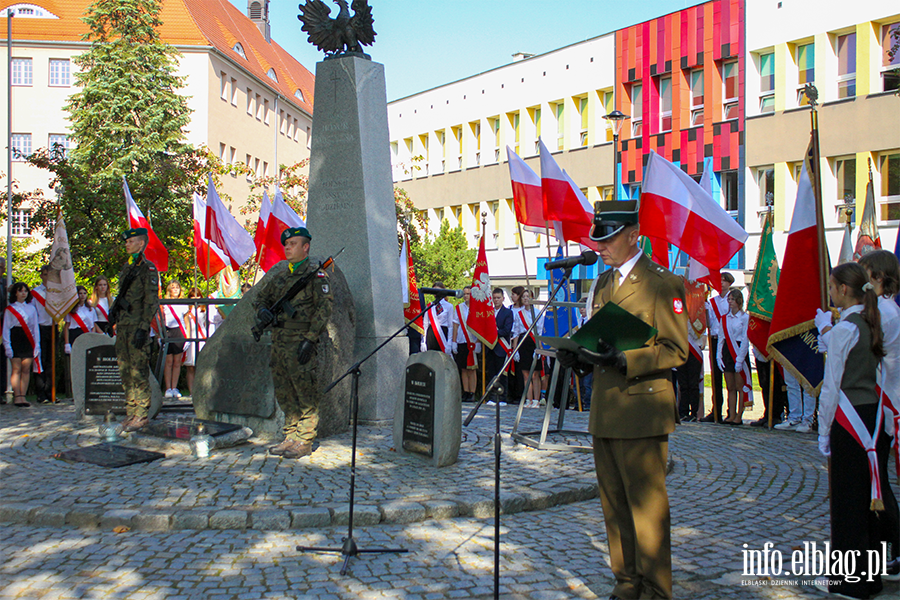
(134, 367)
(296, 387)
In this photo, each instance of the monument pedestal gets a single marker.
(351, 203)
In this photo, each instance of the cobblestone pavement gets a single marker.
(728, 487)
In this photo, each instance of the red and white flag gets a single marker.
(210, 258)
(412, 305)
(481, 320)
(259, 238)
(528, 198)
(282, 217)
(696, 270)
(564, 202)
(155, 252)
(224, 231)
(675, 208)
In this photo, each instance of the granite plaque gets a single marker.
(108, 455)
(103, 391)
(418, 410)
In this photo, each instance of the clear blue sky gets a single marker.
(427, 43)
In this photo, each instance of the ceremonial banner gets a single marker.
(61, 293)
(868, 238)
(210, 258)
(697, 271)
(793, 339)
(481, 319)
(412, 303)
(155, 252)
(564, 202)
(527, 194)
(763, 289)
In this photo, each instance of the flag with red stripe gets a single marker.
(155, 252)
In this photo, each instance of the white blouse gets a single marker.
(840, 339)
(29, 313)
(737, 331)
(101, 316)
(174, 314)
(87, 315)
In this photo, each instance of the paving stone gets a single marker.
(402, 512)
(83, 519)
(228, 519)
(117, 518)
(190, 519)
(362, 515)
(270, 519)
(310, 517)
(441, 509)
(15, 513)
(154, 521)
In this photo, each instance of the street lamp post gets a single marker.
(616, 118)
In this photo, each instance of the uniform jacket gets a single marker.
(141, 297)
(313, 303)
(504, 328)
(641, 403)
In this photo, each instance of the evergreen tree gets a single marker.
(127, 119)
(446, 258)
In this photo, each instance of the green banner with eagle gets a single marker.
(763, 289)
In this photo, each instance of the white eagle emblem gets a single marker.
(481, 289)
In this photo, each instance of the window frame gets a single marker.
(67, 76)
(697, 109)
(664, 114)
(729, 102)
(766, 96)
(888, 203)
(22, 76)
(846, 81)
(637, 117)
(18, 155)
(20, 222)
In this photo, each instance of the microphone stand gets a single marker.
(567, 273)
(349, 548)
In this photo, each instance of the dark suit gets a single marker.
(497, 356)
(631, 417)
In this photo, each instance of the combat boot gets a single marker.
(297, 450)
(280, 448)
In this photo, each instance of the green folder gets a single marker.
(612, 324)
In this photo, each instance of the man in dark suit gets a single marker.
(633, 404)
(497, 356)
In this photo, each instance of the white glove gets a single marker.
(720, 363)
(825, 445)
(823, 320)
(454, 347)
(516, 357)
(68, 348)
(449, 348)
(423, 346)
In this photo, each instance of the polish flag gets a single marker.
(675, 208)
(696, 270)
(564, 202)
(259, 238)
(210, 258)
(155, 252)
(527, 194)
(282, 217)
(224, 231)
(481, 320)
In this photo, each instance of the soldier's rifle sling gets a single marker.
(284, 304)
(120, 303)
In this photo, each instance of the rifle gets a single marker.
(267, 316)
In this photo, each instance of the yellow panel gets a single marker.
(783, 60)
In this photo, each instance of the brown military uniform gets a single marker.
(296, 386)
(631, 417)
(136, 310)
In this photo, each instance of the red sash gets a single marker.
(471, 358)
(849, 419)
(743, 368)
(438, 332)
(79, 321)
(37, 296)
(180, 326)
(103, 313)
(695, 349)
(37, 359)
(508, 350)
(892, 411)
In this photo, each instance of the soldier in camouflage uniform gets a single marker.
(132, 312)
(294, 341)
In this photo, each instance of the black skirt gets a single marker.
(21, 347)
(727, 361)
(174, 334)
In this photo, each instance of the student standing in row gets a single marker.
(21, 340)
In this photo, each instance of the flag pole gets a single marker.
(812, 96)
(53, 362)
(483, 345)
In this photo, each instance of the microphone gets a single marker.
(442, 292)
(588, 257)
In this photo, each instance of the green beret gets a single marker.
(611, 217)
(130, 233)
(294, 232)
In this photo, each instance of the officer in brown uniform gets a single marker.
(132, 312)
(294, 339)
(633, 404)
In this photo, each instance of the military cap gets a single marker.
(294, 232)
(134, 232)
(611, 217)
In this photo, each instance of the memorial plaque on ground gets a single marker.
(103, 389)
(428, 417)
(183, 428)
(418, 410)
(109, 455)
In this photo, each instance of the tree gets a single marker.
(446, 258)
(127, 119)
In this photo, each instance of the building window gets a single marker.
(730, 92)
(537, 129)
(767, 82)
(239, 50)
(665, 103)
(806, 67)
(696, 97)
(234, 91)
(730, 192)
(223, 93)
(609, 106)
(475, 126)
(890, 61)
(845, 173)
(249, 102)
(299, 95)
(21, 146)
(22, 71)
(513, 119)
(21, 222)
(259, 108)
(560, 125)
(59, 140)
(637, 109)
(890, 187)
(266, 112)
(846, 54)
(583, 118)
(494, 124)
(60, 75)
(765, 177)
(271, 74)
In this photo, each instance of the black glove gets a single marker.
(606, 355)
(265, 317)
(140, 338)
(305, 351)
(567, 359)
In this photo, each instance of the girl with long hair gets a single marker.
(101, 299)
(731, 355)
(173, 318)
(22, 340)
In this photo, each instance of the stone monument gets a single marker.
(351, 203)
(428, 416)
(233, 382)
(96, 383)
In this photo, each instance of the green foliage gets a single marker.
(446, 258)
(127, 119)
(26, 264)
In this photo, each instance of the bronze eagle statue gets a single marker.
(342, 34)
